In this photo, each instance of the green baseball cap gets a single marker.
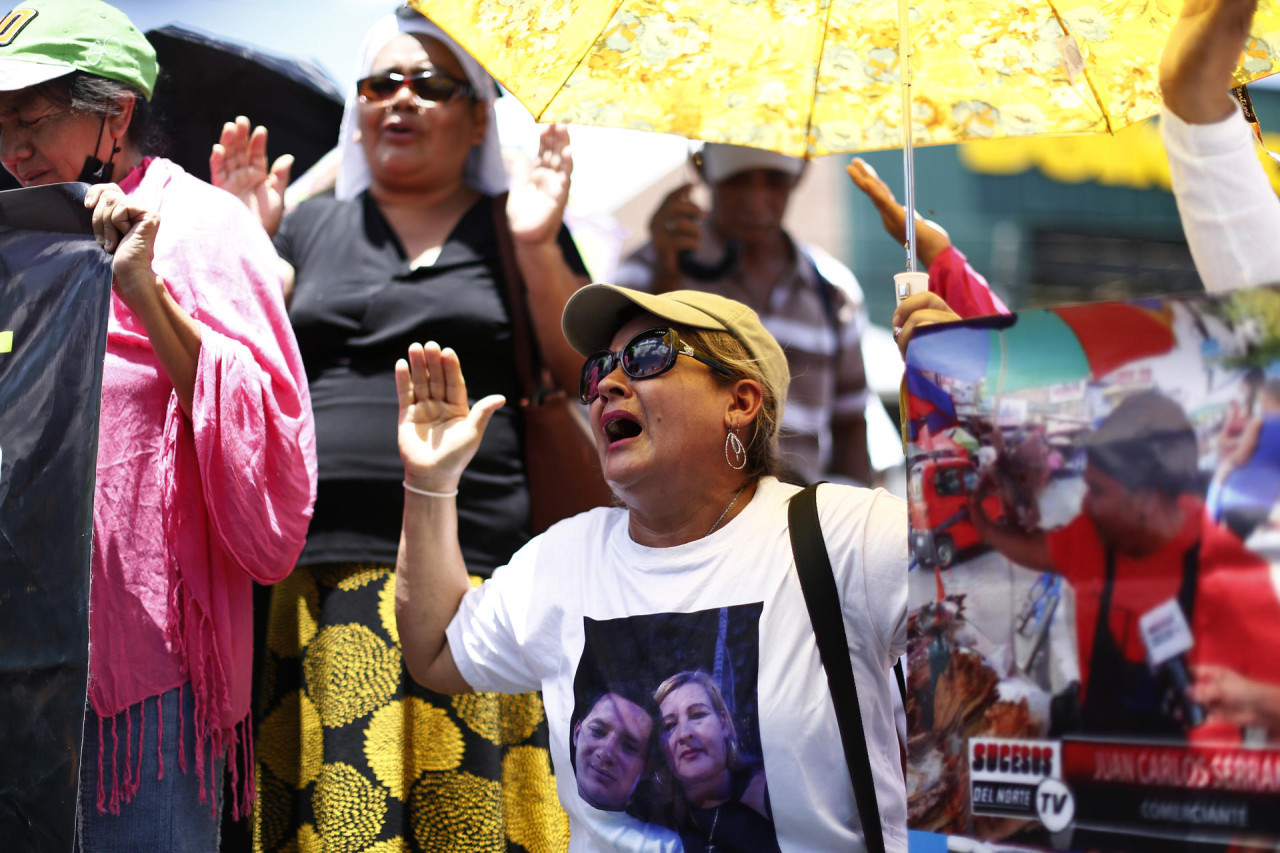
(44, 39)
(596, 312)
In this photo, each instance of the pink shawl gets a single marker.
(189, 511)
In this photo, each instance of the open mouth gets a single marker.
(620, 426)
(395, 124)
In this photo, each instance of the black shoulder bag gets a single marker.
(823, 601)
(560, 457)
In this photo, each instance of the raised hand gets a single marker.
(675, 227)
(438, 433)
(1200, 57)
(238, 164)
(931, 238)
(535, 205)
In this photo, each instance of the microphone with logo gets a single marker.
(1167, 638)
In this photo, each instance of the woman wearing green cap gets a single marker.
(206, 460)
(694, 571)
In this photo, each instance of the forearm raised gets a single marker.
(431, 578)
(550, 283)
(1229, 212)
(1029, 549)
(1026, 549)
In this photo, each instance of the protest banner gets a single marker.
(1094, 609)
(55, 292)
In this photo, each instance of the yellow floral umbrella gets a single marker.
(814, 77)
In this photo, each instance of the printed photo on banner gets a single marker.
(1095, 574)
(665, 728)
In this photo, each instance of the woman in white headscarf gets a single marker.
(406, 249)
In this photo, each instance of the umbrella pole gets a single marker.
(908, 159)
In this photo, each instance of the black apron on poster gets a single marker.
(1124, 697)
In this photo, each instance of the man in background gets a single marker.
(809, 301)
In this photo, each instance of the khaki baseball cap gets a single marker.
(595, 313)
(44, 39)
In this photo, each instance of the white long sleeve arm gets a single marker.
(1230, 214)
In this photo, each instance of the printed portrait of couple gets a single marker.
(665, 726)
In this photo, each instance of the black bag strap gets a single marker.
(823, 600)
(529, 366)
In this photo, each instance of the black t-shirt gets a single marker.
(356, 307)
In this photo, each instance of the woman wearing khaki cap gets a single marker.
(206, 450)
(693, 571)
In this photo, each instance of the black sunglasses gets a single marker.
(377, 88)
(650, 353)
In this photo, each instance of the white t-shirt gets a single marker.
(583, 606)
(621, 831)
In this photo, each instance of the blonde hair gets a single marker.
(762, 445)
(734, 759)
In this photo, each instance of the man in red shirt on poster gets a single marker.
(1161, 589)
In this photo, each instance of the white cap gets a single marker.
(720, 161)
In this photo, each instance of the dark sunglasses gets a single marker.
(650, 353)
(377, 88)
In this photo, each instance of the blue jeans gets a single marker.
(164, 814)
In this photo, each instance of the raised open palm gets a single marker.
(535, 205)
(238, 164)
(438, 431)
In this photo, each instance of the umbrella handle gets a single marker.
(909, 284)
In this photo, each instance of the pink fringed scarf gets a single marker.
(189, 510)
(236, 746)
(202, 635)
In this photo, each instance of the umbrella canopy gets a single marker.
(1046, 347)
(206, 81)
(812, 77)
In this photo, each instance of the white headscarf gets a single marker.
(484, 171)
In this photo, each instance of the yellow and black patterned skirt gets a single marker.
(353, 755)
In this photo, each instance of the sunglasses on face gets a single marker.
(650, 353)
(377, 88)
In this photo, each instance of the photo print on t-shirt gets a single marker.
(665, 725)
